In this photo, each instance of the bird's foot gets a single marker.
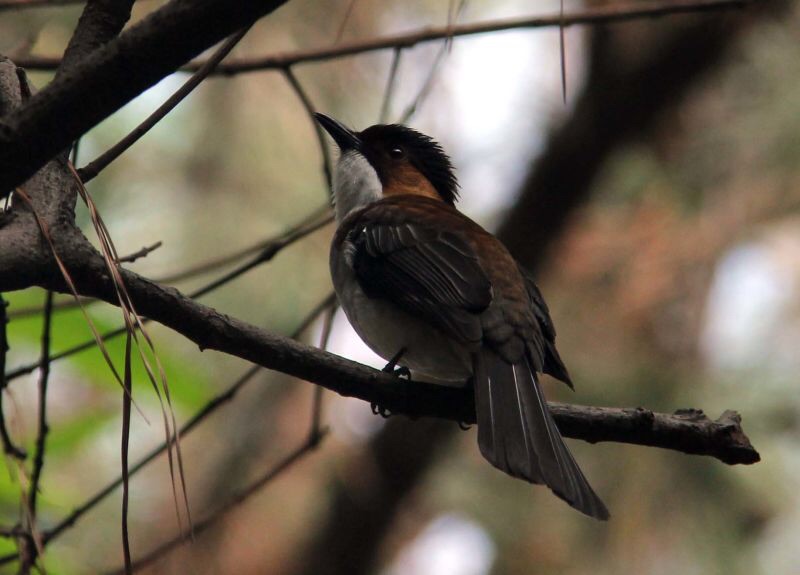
(380, 410)
(400, 371)
(464, 426)
(392, 367)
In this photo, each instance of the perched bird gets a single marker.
(424, 285)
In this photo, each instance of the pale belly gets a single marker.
(386, 329)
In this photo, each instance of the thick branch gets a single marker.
(112, 76)
(210, 329)
(100, 23)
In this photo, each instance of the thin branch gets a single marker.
(266, 255)
(236, 500)
(22, 4)
(8, 445)
(444, 50)
(562, 53)
(348, 12)
(143, 252)
(124, 445)
(592, 16)
(425, 89)
(43, 428)
(268, 250)
(315, 436)
(309, 108)
(320, 216)
(94, 167)
(325, 335)
(388, 93)
(209, 408)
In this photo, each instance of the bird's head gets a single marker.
(386, 160)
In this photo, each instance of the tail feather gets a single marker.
(517, 434)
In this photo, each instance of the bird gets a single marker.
(427, 287)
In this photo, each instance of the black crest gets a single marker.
(421, 151)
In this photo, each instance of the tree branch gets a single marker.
(21, 4)
(210, 329)
(597, 15)
(100, 22)
(5, 438)
(112, 76)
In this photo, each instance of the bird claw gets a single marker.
(400, 371)
(464, 426)
(392, 367)
(380, 410)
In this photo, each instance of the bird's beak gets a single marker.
(344, 137)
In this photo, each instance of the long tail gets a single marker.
(517, 434)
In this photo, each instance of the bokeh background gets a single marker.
(675, 283)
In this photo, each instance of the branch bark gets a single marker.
(210, 329)
(100, 22)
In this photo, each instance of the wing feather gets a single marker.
(430, 273)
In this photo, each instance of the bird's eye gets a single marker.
(397, 152)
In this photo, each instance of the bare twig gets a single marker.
(125, 442)
(268, 250)
(211, 406)
(388, 93)
(319, 216)
(325, 335)
(43, 428)
(563, 54)
(444, 50)
(8, 446)
(22, 4)
(309, 108)
(144, 252)
(94, 167)
(348, 12)
(315, 436)
(237, 499)
(425, 88)
(592, 16)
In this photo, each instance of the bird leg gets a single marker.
(392, 368)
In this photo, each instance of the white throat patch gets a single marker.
(355, 184)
